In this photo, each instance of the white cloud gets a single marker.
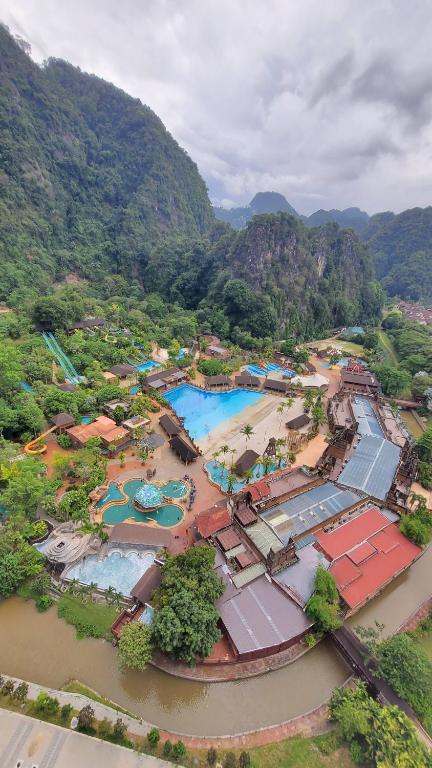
(330, 104)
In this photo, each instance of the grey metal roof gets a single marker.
(247, 575)
(303, 512)
(372, 466)
(299, 578)
(264, 537)
(262, 616)
(366, 417)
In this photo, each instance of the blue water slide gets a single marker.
(64, 356)
(62, 363)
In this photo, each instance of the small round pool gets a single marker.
(168, 514)
(148, 496)
(175, 489)
(86, 420)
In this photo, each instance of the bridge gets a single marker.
(356, 654)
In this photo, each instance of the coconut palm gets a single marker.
(249, 475)
(267, 463)
(224, 449)
(109, 595)
(280, 409)
(247, 431)
(233, 451)
(231, 480)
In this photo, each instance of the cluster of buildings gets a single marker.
(416, 312)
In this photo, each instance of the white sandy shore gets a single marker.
(264, 419)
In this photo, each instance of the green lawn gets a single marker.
(90, 619)
(388, 348)
(297, 752)
(347, 346)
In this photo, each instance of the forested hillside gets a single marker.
(94, 188)
(275, 275)
(89, 177)
(402, 248)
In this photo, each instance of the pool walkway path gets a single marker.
(311, 723)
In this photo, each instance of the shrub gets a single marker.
(119, 730)
(179, 750)
(43, 603)
(153, 738)
(212, 756)
(21, 691)
(167, 748)
(86, 717)
(357, 753)
(38, 529)
(46, 705)
(66, 712)
(8, 688)
(230, 760)
(41, 584)
(104, 729)
(244, 760)
(64, 441)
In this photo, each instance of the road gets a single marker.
(29, 743)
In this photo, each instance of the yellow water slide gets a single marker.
(33, 451)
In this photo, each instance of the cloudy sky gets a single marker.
(329, 103)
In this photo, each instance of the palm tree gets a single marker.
(232, 452)
(109, 595)
(231, 480)
(122, 458)
(267, 464)
(224, 449)
(215, 456)
(318, 415)
(289, 402)
(247, 431)
(280, 409)
(279, 457)
(249, 475)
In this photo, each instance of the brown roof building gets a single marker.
(147, 584)
(245, 462)
(298, 422)
(184, 451)
(220, 380)
(247, 380)
(359, 382)
(145, 536)
(122, 370)
(169, 425)
(228, 539)
(62, 421)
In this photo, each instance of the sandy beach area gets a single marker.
(264, 419)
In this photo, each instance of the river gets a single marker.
(43, 648)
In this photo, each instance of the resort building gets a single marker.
(169, 425)
(135, 422)
(366, 554)
(299, 422)
(162, 380)
(113, 438)
(218, 381)
(247, 380)
(123, 370)
(186, 452)
(62, 421)
(126, 535)
(247, 460)
(88, 324)
(214, 350)
(362, 382)
(110, 407)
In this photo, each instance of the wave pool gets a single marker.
(119, 570)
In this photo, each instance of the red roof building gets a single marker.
(259, 490)
(212, 520)
(367, 553)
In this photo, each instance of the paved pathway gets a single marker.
(30, 743)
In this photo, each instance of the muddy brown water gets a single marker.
(43, 648)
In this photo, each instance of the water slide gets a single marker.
(32, 451)
(63, 361)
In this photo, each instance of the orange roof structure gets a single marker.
(259, 490)
(102, 427)
(212, 520)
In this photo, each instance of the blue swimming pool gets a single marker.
(204, 411)
(264, 370)
(86, 420)
(134, 390)
(118, 570)
(113, 494)
(147, 366)
(220, 474)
